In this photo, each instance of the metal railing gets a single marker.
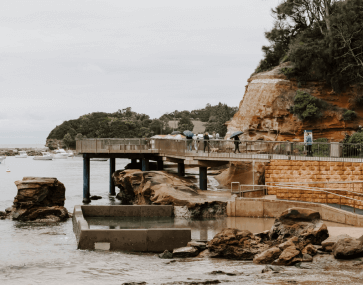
(227, 149)
(244, 189)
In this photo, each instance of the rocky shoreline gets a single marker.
(29, 151)
(298, 238)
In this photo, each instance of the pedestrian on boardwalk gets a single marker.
(206, 141)
(236, 144)
(196, 143)
(309, 143)
(217, 136)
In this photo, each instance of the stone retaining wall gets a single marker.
(143, 240)
(278, 171)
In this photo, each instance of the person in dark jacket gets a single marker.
(236, 144)
(206, 141)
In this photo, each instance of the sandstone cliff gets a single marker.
(264, 110)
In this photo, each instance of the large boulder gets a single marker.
(236, 244)
(163, 188)
(327, 245)
(302, 223)
(348, 248)
(287, 256)
(39, 199)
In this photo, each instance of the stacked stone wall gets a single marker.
(279, 171)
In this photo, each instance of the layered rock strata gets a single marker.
(264, 110)
(39, 199)
(162, 188)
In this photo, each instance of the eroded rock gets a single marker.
(328, 244)
(287, 256)
(267, 256)
(199, 245)
(166, 255)
(163, 188)
(302, 223)
(187, 251)
(236, 244)
(348, 248)
(39, 199)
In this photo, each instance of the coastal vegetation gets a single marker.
(126, 123)
(322, 38)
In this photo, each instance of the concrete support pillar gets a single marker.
(112, 170)
(203, 235)
(86, 179)
(203, 178)
(160, 165)
(145, 165)
(133, 160)
(181, 169)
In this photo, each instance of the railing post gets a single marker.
(112, 170)
(86, 179)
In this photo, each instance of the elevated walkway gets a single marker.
(206, 153)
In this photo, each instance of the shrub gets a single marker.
(306, 106)
(349, 115)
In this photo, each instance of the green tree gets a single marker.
(185, 123)
(323, 38)
(68, 141)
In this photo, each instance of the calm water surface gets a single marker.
(42, 253)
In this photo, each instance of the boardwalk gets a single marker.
(203, 154)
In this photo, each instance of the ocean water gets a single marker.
(41, 253)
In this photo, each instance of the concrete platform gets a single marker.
(140, 240)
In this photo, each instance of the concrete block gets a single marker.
(159, 240)
(249, 208)
(95, 211)
(331, 214)
(125, 240)
(156, 210)
(125, 211)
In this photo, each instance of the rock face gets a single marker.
(242, 172)
(290, 240)
(39, 198)
(264, 110)
(162, 188)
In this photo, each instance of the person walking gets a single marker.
(309, 142)
(196, 142)
(206, 141)
(236, 144)
(189, 143)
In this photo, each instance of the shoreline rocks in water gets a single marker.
(39, 199)
(163, 188)
(295, 237)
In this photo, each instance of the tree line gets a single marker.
(322, 38)
(126, 123)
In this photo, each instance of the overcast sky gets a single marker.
(62, 59)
